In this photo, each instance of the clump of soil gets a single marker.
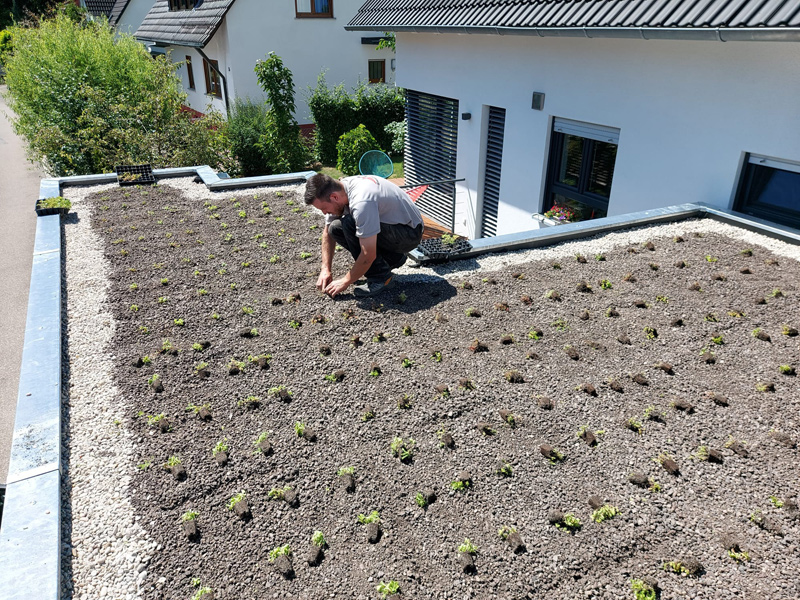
(478, 346)
(514, 377)
(784, 439)
(545, 403)
(588, 388)
(283, 565)
(639, 479)
(572, 352)
(718, 399)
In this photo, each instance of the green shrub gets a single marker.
(397, 131)
(351, 147)
(87, 99)
(6, 46)
(336, 111)
(281, 143)
(246, 124)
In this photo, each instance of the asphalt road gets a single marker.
(19, 189)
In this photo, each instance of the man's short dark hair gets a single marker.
(320, 187)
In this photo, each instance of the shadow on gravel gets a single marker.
(67, 591)
(410, 295)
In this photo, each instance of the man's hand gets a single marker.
(337, 287)
(324, 279)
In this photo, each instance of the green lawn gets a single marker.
(337, 174)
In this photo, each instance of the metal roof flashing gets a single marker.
(718, 34)
(538, 238)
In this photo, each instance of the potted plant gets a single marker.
(560, 214)
(56, 205)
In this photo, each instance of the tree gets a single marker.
(281, 143)
(86, 100)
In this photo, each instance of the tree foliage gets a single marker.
(246, 124)
(335, 111)
(281, 144)
(86, 100)
(351, 147)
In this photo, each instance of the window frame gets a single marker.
(382, 62)
(755, 208)
(179, 5)
(580, 192)
(313, 14)
(213, 81)
(190, 72)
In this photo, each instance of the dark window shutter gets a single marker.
(492, 170)
(431, 150)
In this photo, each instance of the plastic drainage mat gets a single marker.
(436, 249)
(135, 174)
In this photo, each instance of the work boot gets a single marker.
(373, 287)
(399, 262)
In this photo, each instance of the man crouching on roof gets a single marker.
(371, 218)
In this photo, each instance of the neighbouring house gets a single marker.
(219, 41)
(125, 15)
(606, 106)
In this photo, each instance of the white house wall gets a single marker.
(253, 28)
(216, 49)
(686, 111)
(133, 15)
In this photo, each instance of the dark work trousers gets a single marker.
(392, 244)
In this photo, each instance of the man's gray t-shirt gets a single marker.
(372, 201)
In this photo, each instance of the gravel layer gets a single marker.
(418, 548)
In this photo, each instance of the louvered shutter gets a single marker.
(492, 170)
(431, 150)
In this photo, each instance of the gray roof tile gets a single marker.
(111, 9)
(186, 27)
(691, 14)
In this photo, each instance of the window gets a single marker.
(377, 71)
(581, 167)
(213, 87)
(190, 72)
(769, 189)
(314, 8)
(175, 5)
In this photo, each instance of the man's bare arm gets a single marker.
(366, 257)
(328, 247)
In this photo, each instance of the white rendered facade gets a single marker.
(686, 111)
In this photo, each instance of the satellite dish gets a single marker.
(375, 162)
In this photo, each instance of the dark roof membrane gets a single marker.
(547, 16)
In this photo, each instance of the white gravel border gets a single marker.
(109, 549)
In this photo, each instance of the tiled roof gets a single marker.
(111, 9)
(418, 15)
(116, 12)
(184, 27)
(100, 8)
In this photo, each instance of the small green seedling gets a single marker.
(277, 493)
(642, 590)
(388, 589)
(468, 547)
(740, 557)
(506, 470)
(190, 515)
(172, 461)
(221, 446)
(249, 402)
(460, 486)
(606, 284)
(718, 340)
(404, 450)
(318, 539)
(776, 502)
(235, 500)
(506, 531)
(299, 428)
(436, 356)
(604, 512)
(569, 523)
(373, 517)
(345, 471)
(279, 551)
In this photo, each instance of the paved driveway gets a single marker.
(19, 189)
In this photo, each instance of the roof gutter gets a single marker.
(147, 41)
(719, 34)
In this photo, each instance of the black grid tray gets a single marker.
(135, 174)
(43, 212)
(435, 249)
